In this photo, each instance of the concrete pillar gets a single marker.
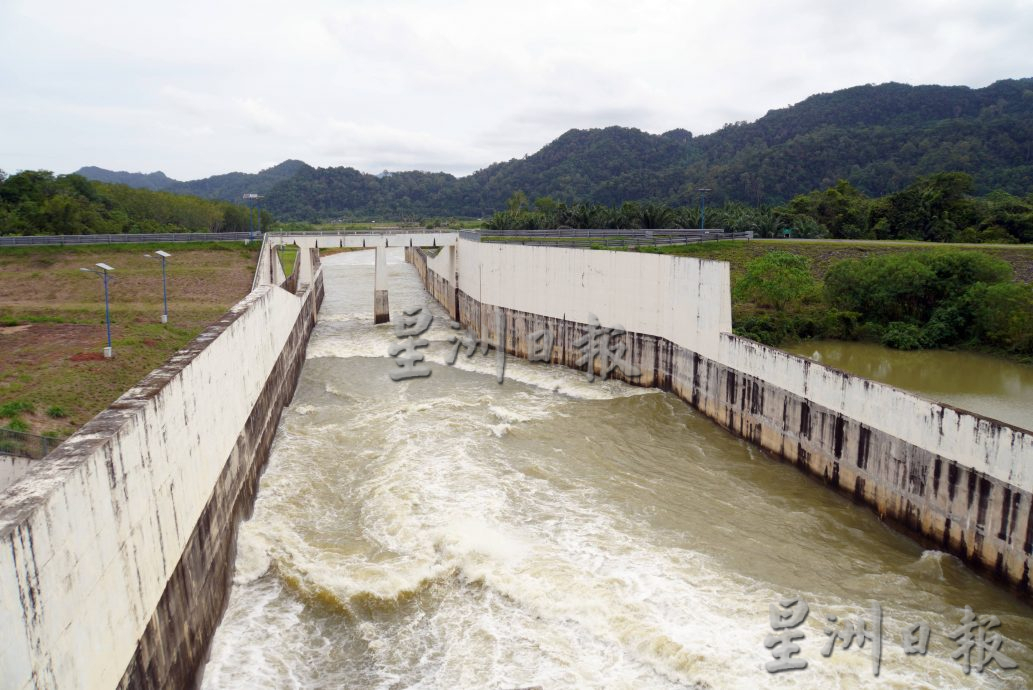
(380, 308)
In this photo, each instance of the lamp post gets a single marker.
(164, 289)
(703, 205)
(103, 273)
(251, 200)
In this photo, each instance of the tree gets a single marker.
(1003, 315)
(516, 202)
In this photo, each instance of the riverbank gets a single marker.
(980, 383)
(823, 253)
(908, 295)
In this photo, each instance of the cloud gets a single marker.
(197, 88)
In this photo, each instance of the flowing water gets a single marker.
(990, 386)
(450, 532)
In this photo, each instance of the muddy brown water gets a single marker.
(989, 386)
(451, 532)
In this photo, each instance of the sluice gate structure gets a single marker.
(956, 480)
(118, 548)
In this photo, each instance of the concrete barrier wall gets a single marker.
(12, 468)
(115, 554)
(954, 479)
(438, 273)
(350, 239)
(686, 302)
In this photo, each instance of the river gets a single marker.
(451, 532)
(987, 385)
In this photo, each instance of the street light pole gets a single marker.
(103, 273)
(703, 205)
(164, 289)
(252, 199)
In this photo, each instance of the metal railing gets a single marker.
(607, 238)
(124, 238)
(26, 445)
(370, 232)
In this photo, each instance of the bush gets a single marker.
(902, 336)
(768, 329)
(840, 325)
(15, 408)
(908, 287)
(1002, 315)
(778, 279)
(949, 324)
(56, 412)
(17, 425)
(995, 234)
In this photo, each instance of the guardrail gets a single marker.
(123, 238)
(362, 233)
(26, 445)
(605, 238)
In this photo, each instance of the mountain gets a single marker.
(155, 181)
(880, 138)
(230, 186)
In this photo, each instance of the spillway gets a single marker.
(451, 532)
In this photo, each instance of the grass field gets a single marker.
(53, 377)
(822, 254)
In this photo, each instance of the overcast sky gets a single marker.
(200, 88)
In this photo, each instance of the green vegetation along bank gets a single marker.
(906, 296)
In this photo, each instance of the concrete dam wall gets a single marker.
(117, 549)
(957, 480)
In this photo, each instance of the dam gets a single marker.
(551, 531)
(452, 532)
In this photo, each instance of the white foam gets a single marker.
(421, 538)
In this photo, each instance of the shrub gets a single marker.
(15, 408)
(17, 425)
(908, 287)
(56, 412)
(902, 336)
(777, 279)
(1002, 315)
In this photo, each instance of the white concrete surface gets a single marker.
(12, 468)
(351, 239)
(688, 301)
(90, 537)
(995, 449)
(682, 299)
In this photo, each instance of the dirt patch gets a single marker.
(87, 357)
(39, 343)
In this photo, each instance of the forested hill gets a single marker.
(229, 187)
(879, 138)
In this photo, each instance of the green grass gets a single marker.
(14, 408)
(822, 254)
(287, 254)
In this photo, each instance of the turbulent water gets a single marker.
(450, 532)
